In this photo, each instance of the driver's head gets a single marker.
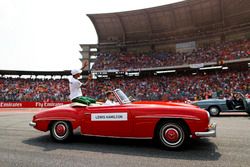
(110, 95)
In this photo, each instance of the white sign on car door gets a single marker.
(109, 116)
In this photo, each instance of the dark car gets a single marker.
(239, 103)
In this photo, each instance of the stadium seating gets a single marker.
(170, 87)
(17, 89)
(123, 61)
(175, 87)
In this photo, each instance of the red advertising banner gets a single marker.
(31, 104)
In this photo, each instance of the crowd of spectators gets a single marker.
(175, 87)
(170, 87)
(124, 61)
(18, 89)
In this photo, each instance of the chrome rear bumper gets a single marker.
(33, 124)
(210, 133)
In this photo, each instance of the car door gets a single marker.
(114, 121)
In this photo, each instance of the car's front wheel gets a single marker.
(214, 111)
(61, 131)
(172, 135)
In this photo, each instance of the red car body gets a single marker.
(128, 119)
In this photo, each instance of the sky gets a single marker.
(44, 35)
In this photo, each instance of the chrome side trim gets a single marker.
(116, 136)
(33, 124)
(56, 119)
(210, 133)
(153, 116)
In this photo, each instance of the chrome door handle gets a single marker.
(87, 113)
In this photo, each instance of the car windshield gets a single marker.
(123, 97)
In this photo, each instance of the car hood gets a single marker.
(165, 103)
(211, 100)
(159, 108)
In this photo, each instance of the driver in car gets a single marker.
(238, 102)
(110, 99)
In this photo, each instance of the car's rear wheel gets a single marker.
(61, 131)
(214, 111)
(172, 135)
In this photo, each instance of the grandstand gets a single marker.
(193, 39)
(180, 87)
(194, 49)
(179, 34)
(224, 53)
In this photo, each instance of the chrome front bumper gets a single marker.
(33, 124)
(210, 133)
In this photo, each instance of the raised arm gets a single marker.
(84, 65)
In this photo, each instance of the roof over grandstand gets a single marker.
(169, 21)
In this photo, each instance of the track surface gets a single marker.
(20, 145)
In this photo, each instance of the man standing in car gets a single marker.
(75, 87)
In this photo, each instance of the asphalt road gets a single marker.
(20, 145)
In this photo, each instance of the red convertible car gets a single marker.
(171, 124)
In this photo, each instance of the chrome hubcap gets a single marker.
(171, 135)
(214, 110)
(60, 129)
